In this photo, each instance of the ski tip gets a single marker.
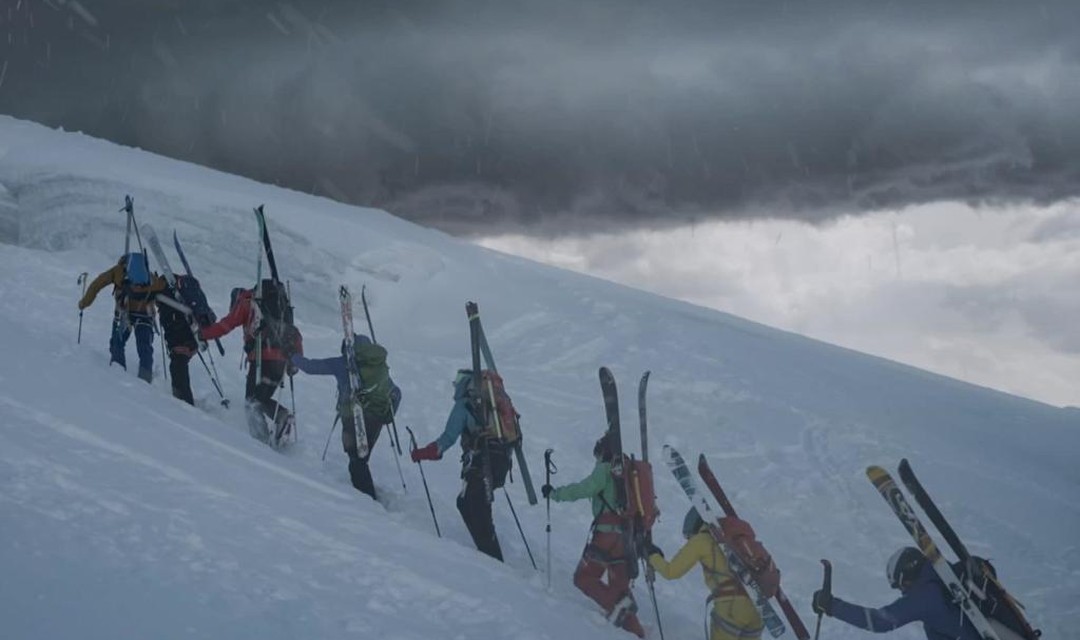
(875, 472)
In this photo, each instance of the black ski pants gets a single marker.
(179, 358)
(359, 471)
(473, 502)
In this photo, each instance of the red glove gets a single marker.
(430, 452)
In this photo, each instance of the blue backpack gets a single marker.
(136, 270)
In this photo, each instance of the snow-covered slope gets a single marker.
(124, 513)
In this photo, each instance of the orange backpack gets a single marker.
(739, 537)
(504, 418)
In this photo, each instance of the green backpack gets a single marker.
(375, 374)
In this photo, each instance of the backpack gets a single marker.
(136, 274)
(191, 294)
(503, 422)
(136, 270)
(740, 538)
(277, 316)
(1003, 612)
(640, 494)
(375, 397)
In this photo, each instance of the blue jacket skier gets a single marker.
(379, 400)
(484, 458)
(923, 598)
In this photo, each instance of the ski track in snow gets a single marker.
(125, 513)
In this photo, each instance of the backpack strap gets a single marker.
(726, 585)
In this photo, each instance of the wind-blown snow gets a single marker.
(127, 514)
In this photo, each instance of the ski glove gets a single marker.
(652, 549)
(430, 452)
(823, 602)
(546, 490)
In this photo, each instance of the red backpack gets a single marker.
(739, 537)
(640, 495)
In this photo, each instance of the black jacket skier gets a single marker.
(176, 327)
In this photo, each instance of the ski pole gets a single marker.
(651, 583)
(826, 586)
(213, 379)
(161, 339)
(82, 281)
(396, 455)
(412, 447)
(330, 435)
(395, 440)
(216, 379)
(292, 395)
(520, 530)
(549, 470)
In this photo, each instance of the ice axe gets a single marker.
(826, 586)
(81, 281)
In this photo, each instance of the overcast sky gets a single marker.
(568, 115)
(891, 176)
(985, 295)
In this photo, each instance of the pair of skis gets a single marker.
(618, 470)
(961, 592)
(279, 429)
(710, 514)
(362, 445)
(479, 348)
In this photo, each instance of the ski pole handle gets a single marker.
(826, 586)
(81, 281)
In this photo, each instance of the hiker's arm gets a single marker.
(236, 317)
(690, 554)
(104, 278)
(455, 425)
(589, 487)
(318, 366)
(887, 618)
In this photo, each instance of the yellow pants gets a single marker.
(734, 619)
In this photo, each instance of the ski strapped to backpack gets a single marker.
(191, 274)
(345, 298)
(744, 542)
(956, 591)
(620, 469)
(635, 494)
(136, 265)
(977, 574)
(187, 307)
(395, 442)
(492, 405)
(646, 498)
(710, 515)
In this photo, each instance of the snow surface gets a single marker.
(127, 514)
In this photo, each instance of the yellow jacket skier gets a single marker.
(733, 615)
(134, 287)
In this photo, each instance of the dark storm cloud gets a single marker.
(484, 115)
